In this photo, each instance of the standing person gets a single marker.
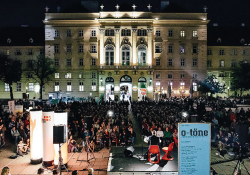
(160, 135)
(167, 136)
(99, 136)
(106, 137)
(132, 136)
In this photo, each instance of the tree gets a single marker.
(241, 78)
(211, 84)
(43, 70)
(10, 71)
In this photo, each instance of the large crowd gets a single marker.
(92, 127)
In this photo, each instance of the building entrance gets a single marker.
(125, 88)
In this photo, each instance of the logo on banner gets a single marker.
(143, 91)
(46, 118)
(194, 132)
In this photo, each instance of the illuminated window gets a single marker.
(31, 86)
(170, 33)
(221, 63)
(93, 49)
(93, 75)
(80, 33)
(7, 87)
(195, 34)
(56, 62)
(18, 87)
(93, 33)
(80, 75)
(57, 33)
(69, 62)
(170, 62)
(80, 48)
(195, 87)
(109, 55)
(68, 75)
(158, 33)
(170, 49)
(69, 87)
(56, 86)
(68, 48)
(182, 85)
(80, 62)
(142, 53)
(182, 48)
(126, 32)
(93, 62)
(93, 87)
(56, 75)
(68, 33)
(109, 32)
(182, 62)
(56, 48)
(182, 33)
(81, 86)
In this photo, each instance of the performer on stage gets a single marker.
(153, 140)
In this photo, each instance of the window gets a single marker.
(195, 34)
(170, 62)
(170, 33)
(68, 48)
(7, 52)
(194, 62)
(93, 87)
(209, 63)
(68, 75)
(42, 52)
(18, 87)
(158, 33)
(31, 86)
(93, 62)
(93, 33)
(209, 52)
(182, 86)
(80, 75)
(109, 32)
(195, 87)
(233, 52)
(81, 87)
(68, 33)
(221, 63)
(170, 48)
(56, 62)
(56, 75)
(7, 87)
(158, 76)
(93, 49)
(56, 48)
(195, 49)
(158, 61)
(18, 52)
(30, 52)
(142, 32)
(56, 86)
(80, 33)
(158, 48)
(182, 75)
(80, 48)
(182, 48)
(109, 55)
(195, 75)
(182, 33)
(142, 55)
(244, 52)
(80, 62)
(182, 62)
(170, 76)
(57, 34)
(69, 62)
(233, 63)
(93, 75)
(221, 52)
(69, 87)
(126, 32)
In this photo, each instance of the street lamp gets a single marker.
(228, 92)
(150, 81)
(101, 81)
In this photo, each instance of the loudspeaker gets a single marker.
(59, 134)
(241, 131)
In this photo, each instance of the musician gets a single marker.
(153, 140)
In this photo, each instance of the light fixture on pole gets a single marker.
(228, 92)
(150, 81)
(101, 81)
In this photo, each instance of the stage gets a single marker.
(118, 163)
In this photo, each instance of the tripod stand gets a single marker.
(237, 169)
(61, 161)
(88, 153)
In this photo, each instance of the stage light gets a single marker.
(184, 114)
(48, 147)
(110, 113)
(61, 118)
(36, 136)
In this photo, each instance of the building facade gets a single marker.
(126, 54)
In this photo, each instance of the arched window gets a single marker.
(109, 55)
(142, 55)
(125, 56)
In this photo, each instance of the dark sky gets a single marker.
(31, 12)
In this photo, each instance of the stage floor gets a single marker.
(119, 163)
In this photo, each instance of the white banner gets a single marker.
(11, 106)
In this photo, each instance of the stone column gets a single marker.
(117, 46)
(149, 51)
(134, 36)
(101, 46)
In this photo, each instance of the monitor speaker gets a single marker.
(59, 134)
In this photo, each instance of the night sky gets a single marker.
(31, 12)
